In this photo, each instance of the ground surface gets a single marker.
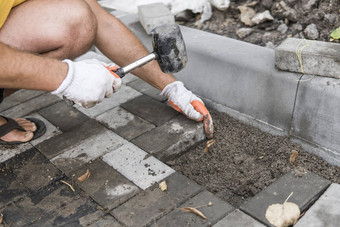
(244, 160)
(290, 19)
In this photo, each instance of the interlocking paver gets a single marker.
(67, 140)
(325, 211)
(214, 213)
(171, 139)
(238, 218)
(124, 123)
(88, 150)
(149, 205)
(105, 185)
(136, 165)
(306, 190)
(18, 97)
(31, 105)
(106, 221)
(150, 109)
(145, 88)
(64, 116)
(51, 130)
(33, 170)
(124, 94)
(9, 151)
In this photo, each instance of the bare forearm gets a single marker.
(119, 44)
(22, 70)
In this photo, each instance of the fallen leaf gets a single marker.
(163, 186)
(293, 157)
(283, 215)
(1, 218)
(336, 34)
(195, 211)
(84, 177)
(209, 144)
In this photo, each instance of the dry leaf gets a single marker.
(84, 177)
(163, 186)
(195, 211)
(209, 144)
(1, 218)
(293, 157)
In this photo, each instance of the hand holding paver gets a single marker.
(184, 101)
(88, 82)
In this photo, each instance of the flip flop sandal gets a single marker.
(12, 125)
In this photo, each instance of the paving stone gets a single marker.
(9, 151)
(106, 221)
(318, 58)
(325, 211)
(154, 15)
(306, 190)
(150, 109)
(64, 116)
(137, 166)
(125, 123)
(149, 205)
(105, 185)
(51, 130)
(67, 140)
(145, 88)
(172, 138)
(214, 213)
(129, 78)
(32, 105)
(124, 94)
(18, 97)
(33, 170)
(89, 149)
(238, 218)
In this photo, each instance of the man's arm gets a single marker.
(23, 70)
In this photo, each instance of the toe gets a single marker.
(26, 124)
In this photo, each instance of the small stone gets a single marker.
(185, 15)
(244, 32)
(247, 14)
(311, 32)
(270, 45)
(309, 4)
(297, 27)
(330, 19)
(291, 2)
(283, 28)
(262, 17)
(267, 3)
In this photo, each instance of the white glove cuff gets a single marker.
(68, 79)
(171, 88)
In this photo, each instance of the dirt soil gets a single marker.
(244, 160)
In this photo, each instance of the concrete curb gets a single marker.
(241, 79)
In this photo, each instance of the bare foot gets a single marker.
(17, 135)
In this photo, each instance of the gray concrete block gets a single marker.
(7, 152)
(124, 123)
(145, 88)
(63, 116)
(149, 109)
(316, 118)
(325, 211)
(238, 218)
(154, 15)
(306, 190)
(106, 221)
(214, 213)
(318, 58)
(18, 97)
(172, 138)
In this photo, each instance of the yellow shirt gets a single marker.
(5, 8)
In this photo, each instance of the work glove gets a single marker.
(186, 102)
(88, 82)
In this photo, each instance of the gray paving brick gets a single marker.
(51, 130)
(124, 94)
(325, 211)
(150, 109)
(238, 218)
(306, 190)
(64, 116)
(33, 170)
(87, 150)
(149, 205)
(125, 123)
(105, 185)
(18, 97)
(172, 138)
(9, 151)
(145, 88)
(106, 221)
(137, 166)
(129, 78)
(318, 58)
(214, 213)
(67, 140)
(31, 106)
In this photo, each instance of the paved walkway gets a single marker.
(124, 142)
